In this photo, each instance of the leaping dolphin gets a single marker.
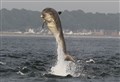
(51, 17)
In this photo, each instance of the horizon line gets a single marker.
(60, 1)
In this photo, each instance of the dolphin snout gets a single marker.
(41, 16)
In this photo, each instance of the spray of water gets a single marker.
(62, 67)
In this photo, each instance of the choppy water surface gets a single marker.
(27, 59)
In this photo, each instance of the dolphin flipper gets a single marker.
(69, 58)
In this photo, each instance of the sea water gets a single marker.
(34, 56)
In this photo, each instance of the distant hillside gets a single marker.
(21, 19)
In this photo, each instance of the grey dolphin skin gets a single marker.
(51, 18)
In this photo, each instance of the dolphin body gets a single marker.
(51, 18)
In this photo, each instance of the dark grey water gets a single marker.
(27, 59)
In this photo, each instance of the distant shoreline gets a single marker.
(48, 35)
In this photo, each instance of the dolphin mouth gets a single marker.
(43, 24)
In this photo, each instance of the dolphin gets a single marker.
(51, 18)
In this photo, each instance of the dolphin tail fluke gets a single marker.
(69, 58)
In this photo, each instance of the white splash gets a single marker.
(62, 67)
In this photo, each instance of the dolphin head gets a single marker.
(49, 15)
